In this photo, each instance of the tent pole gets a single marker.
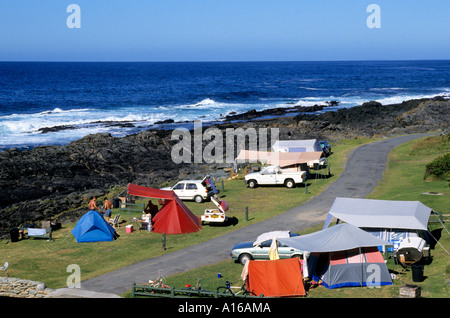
(329, 265)
(438, 242)
(362, 265)
(442, 223)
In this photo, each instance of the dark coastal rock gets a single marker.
(273, 112)
(167, 121)
(431, 113)
(372, 104)
(45, 130)
(373, 118)
(44, 182)
(332, 103)
(57, 182)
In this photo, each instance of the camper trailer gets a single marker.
(411, 250)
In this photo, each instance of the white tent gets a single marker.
(307, 145)
(388, 214)
(270, 235)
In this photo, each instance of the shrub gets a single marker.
(439, 167)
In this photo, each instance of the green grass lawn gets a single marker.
(403, 180)
(47, 262)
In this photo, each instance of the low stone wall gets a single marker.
(22, 288)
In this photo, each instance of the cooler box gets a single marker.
(129, 228)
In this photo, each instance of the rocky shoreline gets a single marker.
(56, 182)
(231, 117)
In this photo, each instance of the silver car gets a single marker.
(259, 250)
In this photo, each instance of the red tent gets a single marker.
(276, 278)
(174, 217)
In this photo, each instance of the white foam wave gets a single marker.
(59, 111)
(312, 101)
(206, 102)
(349, 100)
(24, 129)
(55, 111)
(402, 98)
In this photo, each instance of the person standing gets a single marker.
(107, 209)
(93, 204)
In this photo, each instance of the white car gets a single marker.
(190, 190)
(215, 215)
(274, 175)
(197, 190)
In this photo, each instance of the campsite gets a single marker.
(49, 259)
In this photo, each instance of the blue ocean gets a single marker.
(125, 98)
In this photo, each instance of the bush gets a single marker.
(439, 167)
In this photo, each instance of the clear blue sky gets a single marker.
(223, 30)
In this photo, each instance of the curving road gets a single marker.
(364, 169)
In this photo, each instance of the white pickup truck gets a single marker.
(274, 175)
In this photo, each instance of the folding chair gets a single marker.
(115, 222)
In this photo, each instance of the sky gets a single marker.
(224, 30)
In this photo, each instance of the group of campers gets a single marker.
(150, 210)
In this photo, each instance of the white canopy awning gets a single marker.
(390, 214)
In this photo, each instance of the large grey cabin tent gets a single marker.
(371, 213)
(343, 256)
(390, 220)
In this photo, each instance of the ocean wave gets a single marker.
(61, 111)
(55, 111)
(206, 102)
(310, 79)
(383, 89)
(402, 98)
(312, 88)
(312, 101)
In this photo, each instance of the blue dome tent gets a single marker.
(92, 227)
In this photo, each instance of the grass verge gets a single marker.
(47, 262)
(402, 180)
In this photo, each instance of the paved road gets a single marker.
(364, 169)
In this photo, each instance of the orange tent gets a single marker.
(276, 278)
(174, 217)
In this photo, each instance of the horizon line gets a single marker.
(215, 61)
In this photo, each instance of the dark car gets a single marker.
(326, 147)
